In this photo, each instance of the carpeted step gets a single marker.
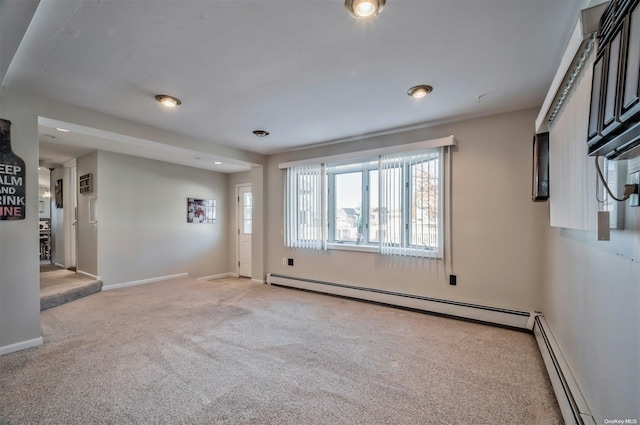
(54, 300)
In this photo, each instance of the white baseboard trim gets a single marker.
(218, 276)
(89, 275)
(572, 404)
(144, 281)
(493, 315)
(21, 345)
(257, 281)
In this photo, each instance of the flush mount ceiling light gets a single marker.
(261, 133)
(418, 92)
(168, 101)
(364, 8)
(64, 130)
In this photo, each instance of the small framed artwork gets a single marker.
(201, 210)
(86, 183)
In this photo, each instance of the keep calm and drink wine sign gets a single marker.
(12, 172)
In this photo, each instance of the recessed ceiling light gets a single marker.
(418, 92)
(218, 163)
(261, 133)
(364, 8)
(64, 130)
(168, 101)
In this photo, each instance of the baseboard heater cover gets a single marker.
(572, 404)
(493, 315)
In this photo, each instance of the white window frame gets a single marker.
(333, 170)
(363, 162)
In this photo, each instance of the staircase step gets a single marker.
(54, 300)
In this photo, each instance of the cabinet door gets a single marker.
(596, 91)
(630, 102)
(610, 112)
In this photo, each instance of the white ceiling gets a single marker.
(304, 70)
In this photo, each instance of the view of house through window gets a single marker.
(348, 207)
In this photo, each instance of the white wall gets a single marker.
(259, 244)
(87, 233)
(46, 203)
(497, 244)
(591, 300)
(44, 184)
(233, 181)
(19, 240)
(142, 220)
(57, 221)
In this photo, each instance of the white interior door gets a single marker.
(245, 225)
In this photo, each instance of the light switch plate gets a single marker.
(603, 229)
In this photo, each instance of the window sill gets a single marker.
(353, 247)
(376, 250)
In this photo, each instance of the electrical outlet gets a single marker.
(634, 200)
(290, 261)
(284, 261)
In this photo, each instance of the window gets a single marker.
(391, 204)
(411, 203)
(247, 213)
(349, 187)
(614, 173)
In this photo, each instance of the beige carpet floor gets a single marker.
(60, 286)
(234, 352)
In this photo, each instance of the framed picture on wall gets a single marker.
(59, 193)
(201, 210)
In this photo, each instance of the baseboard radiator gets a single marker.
(481, 313)
(572, 404)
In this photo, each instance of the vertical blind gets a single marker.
(304, 206)
(571, 171)
(411, 204)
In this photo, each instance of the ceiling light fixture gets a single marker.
(64, 130)
(418, 92)
(217, 163)
(168, 101)
(364, 8)
(261, 133)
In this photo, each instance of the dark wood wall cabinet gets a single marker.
(614, 119)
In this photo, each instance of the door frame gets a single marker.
(69, 213)
(238, 224)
